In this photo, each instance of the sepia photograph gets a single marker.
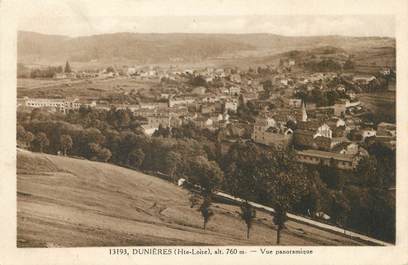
(204, 130)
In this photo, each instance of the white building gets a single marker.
(231, 105)
(365, 133)
(180, 101)
(131, 71)
(233, 90)
(324, 131)
(268, 133)
(60, 105)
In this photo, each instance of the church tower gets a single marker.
(304, 113)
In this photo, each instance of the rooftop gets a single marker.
(324, 154)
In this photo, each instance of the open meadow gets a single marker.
(54, 88)
(381, 104)
(67, 202)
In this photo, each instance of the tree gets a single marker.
(286, 187)
(67, 68)
(279, 219)
(366, 172)
(291, 125)
(170, 163)
(348, 65)
(99, 153)
(267, 85)
(66, 143)
(325, 65)
(104, 154)
(239, 165)
(59, 69)
(247, 169)
(340, 209)
(283, 195)
(24, 136)
(198, 81)
(333, 178)
(162, 131)
(28, 138)
(207, 175)
(382, 215)
(42, 141)
(22, 71)
(110, 69)
(368, 210)
(206, 211)
(136, 157)
(21, 132)
(386, 164)
(247, 214)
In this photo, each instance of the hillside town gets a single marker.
(308, 134)
(319, 114)
(198, 129)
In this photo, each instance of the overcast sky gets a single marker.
(86, 17)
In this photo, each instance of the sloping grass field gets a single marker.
(381, 103)
(67, 202)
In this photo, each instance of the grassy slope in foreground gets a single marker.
(66, 202)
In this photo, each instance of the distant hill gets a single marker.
(175, 48)
(142, 48)
(67, 202)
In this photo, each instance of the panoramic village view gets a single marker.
(205, 139)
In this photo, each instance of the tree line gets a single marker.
(46, 72)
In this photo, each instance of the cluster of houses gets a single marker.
(151, 72)
(86, 75)
(321, 135)
(324, 140)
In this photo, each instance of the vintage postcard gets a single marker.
(178, 132)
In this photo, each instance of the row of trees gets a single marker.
(269, 176)
(40, 141)
(321, 98)
(325, 65)
(274, 179)
(48, 72)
